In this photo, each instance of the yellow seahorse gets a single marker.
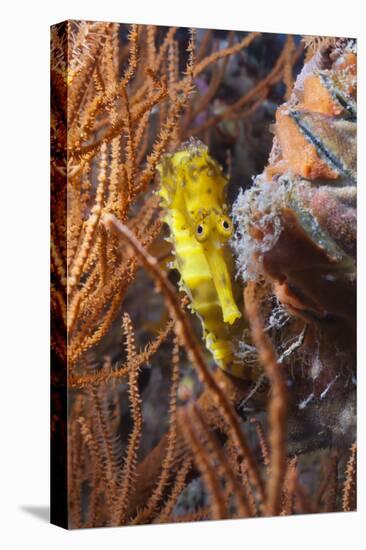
(193, 193)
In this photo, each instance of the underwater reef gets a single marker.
(203, 284)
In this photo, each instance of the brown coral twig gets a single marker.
(91, 224)
(302, 503)
(277, 408)
(221, 54)
(349, 485)
(153, 502)
(96, 469)
(252, 95)
(75, 478)
(128, 471)
(205, 99)
(83, 77)
(133, 50)
(105, 437)
(262, 442)
(178, 486)
(224, 468)
(207, 469)
(330, 500)
(104, 376)
(289, 488)
(325, 486)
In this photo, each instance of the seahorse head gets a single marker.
(193, 190)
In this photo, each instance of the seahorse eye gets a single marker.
(225, 227)
(201, 232)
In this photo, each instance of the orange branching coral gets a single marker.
(262, 442)
(207, 469)
(107, 373)
(289, 488)
(129, 467)
(277, 409)
(154, 500)
(349, 487)
(223, 467)
(179, 484)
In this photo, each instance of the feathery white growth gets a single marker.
(258, 208)
(293, 344)
(279, 317)
(247, 353)
(324, 392)
(252, 392)
(303, 404)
